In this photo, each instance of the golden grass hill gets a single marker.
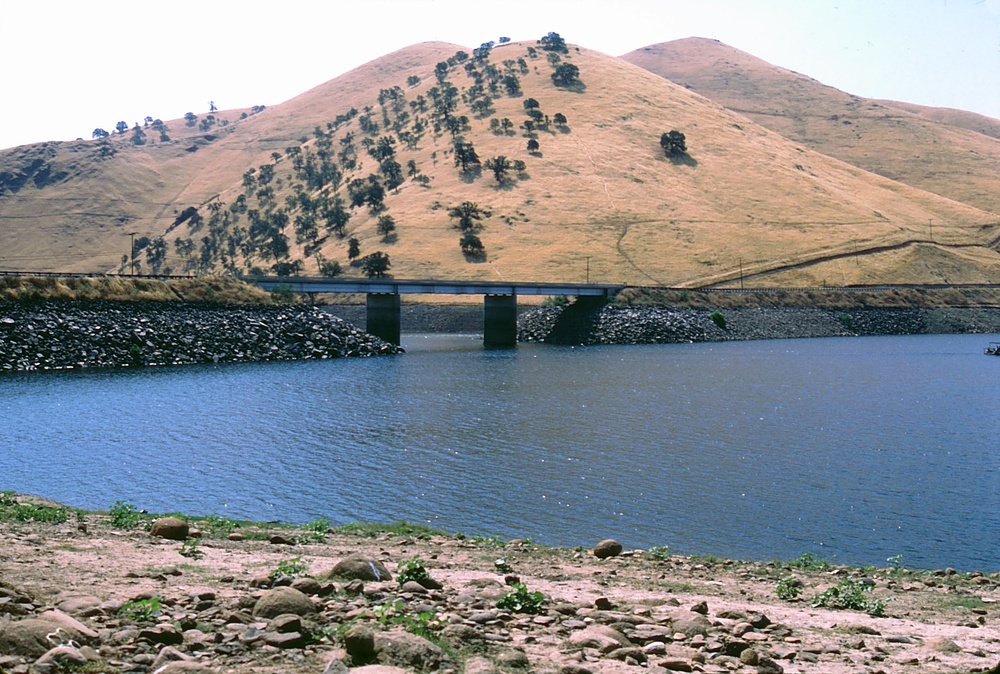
(685, 164)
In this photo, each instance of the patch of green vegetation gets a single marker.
(810, 562)
(851, 595)
(968, 601)
(412, 569)
(314, 532)
(142, 610)
(11, 510)
(520, 600)
(488, 541)
(189, 549)
(718, 319)
(290, 568)
(501, 565)
(788, 588)
(394, 614)
(216, 526)
(124, 515)
(658, 552)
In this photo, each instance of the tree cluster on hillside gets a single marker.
(334, 189)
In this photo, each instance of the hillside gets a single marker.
(949, 152)
(289, 187)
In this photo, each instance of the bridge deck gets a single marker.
(411, 287)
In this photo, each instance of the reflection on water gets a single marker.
(854, 449)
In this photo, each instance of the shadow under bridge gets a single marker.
(383, 299)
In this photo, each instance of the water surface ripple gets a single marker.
(852, 449)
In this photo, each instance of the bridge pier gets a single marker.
(500, 320)
(382, 317)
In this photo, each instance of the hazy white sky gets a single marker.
(71, 66)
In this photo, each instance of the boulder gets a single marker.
(360, 643)
(72, 624)
(309, 586)
(80, 606)
(33, 637)
(402, 649)
(168, 655)
(283, 600)
(360, 567)
(599, 637)
(59, 659)
(691, 624)
(607, 548)
(171, 528)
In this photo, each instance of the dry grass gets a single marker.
(601, 200)
(948, 152)
(213, 290)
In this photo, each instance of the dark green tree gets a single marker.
(353, 248)
(386, 226)
(566, 75)
(554, 42)
(376, 265)
(121, 127)
(500, 166)
(472, 246)
(532, 145)
(328, 267)
(466, 156)
(673, 143)
(99, 133)
(469, 216)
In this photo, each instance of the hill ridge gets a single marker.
(287, 187)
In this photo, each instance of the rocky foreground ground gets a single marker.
(91, 592)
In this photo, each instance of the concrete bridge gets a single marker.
(383, 303)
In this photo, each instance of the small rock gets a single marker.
(944, 645)
(309, 586)
(766, 665)
(283, 600)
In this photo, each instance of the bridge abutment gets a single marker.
(500, 320)
(382, 317)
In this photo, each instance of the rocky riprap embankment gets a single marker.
(63, 335)
(583, 323)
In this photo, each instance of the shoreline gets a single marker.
(134, 601)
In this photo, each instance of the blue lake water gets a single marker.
(854, 449)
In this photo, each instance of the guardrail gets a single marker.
(885, 287)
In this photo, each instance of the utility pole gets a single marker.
(588, 270)
(930, 228)
(741, 273)
(132, 235)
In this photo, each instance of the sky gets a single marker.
(72, 67)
